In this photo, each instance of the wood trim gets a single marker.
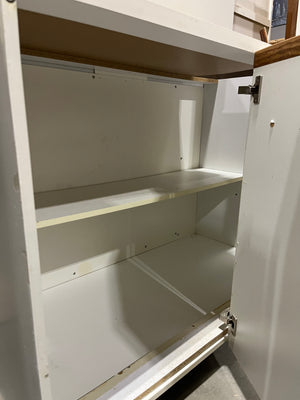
(281, 51)
(46, 36)
(263, 34)
(291, 19)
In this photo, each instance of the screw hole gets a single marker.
(74, 273)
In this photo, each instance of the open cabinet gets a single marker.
(122, 172)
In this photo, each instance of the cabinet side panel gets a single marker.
(224, 125)
(265, 297)
(218, 212)
(21, 360)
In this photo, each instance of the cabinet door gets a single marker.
(266, 287)
(23, 367)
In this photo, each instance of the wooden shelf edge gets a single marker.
(280, 51)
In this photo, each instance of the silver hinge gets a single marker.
(230, 320)
(253, 90)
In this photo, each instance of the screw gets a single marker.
(272, 123)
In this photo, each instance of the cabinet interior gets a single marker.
(137, 184)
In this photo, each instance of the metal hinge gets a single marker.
(230, 320)
(253, 90)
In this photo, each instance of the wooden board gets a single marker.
(291, 19)
(278, 52)
(58, 207)
(73, 41)
(99, 324)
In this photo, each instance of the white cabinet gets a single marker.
(121, 174)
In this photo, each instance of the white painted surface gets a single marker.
(225, 125)
(265, 295)
(203, 10)
(247, 27)
(218, 212)
(58, 207)
(104, 321)
(155, 371)
(23, 363)
(199, 268)
(69, 251)
(255, 10)
(151, 21)
(85, 131)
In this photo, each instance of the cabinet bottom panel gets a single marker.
(102, 322)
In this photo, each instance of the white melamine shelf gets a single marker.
(60, 206)
(101, 322)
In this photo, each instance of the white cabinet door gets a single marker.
(266, 287)
(23, 367)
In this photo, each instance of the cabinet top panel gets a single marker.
(151, 39)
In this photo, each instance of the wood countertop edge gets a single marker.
(280, 51)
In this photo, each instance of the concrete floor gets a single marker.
(219, 377)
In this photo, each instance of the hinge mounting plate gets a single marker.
(230, 320)
(253, 90)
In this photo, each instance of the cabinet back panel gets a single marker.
(86, 245)
(91, 128)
